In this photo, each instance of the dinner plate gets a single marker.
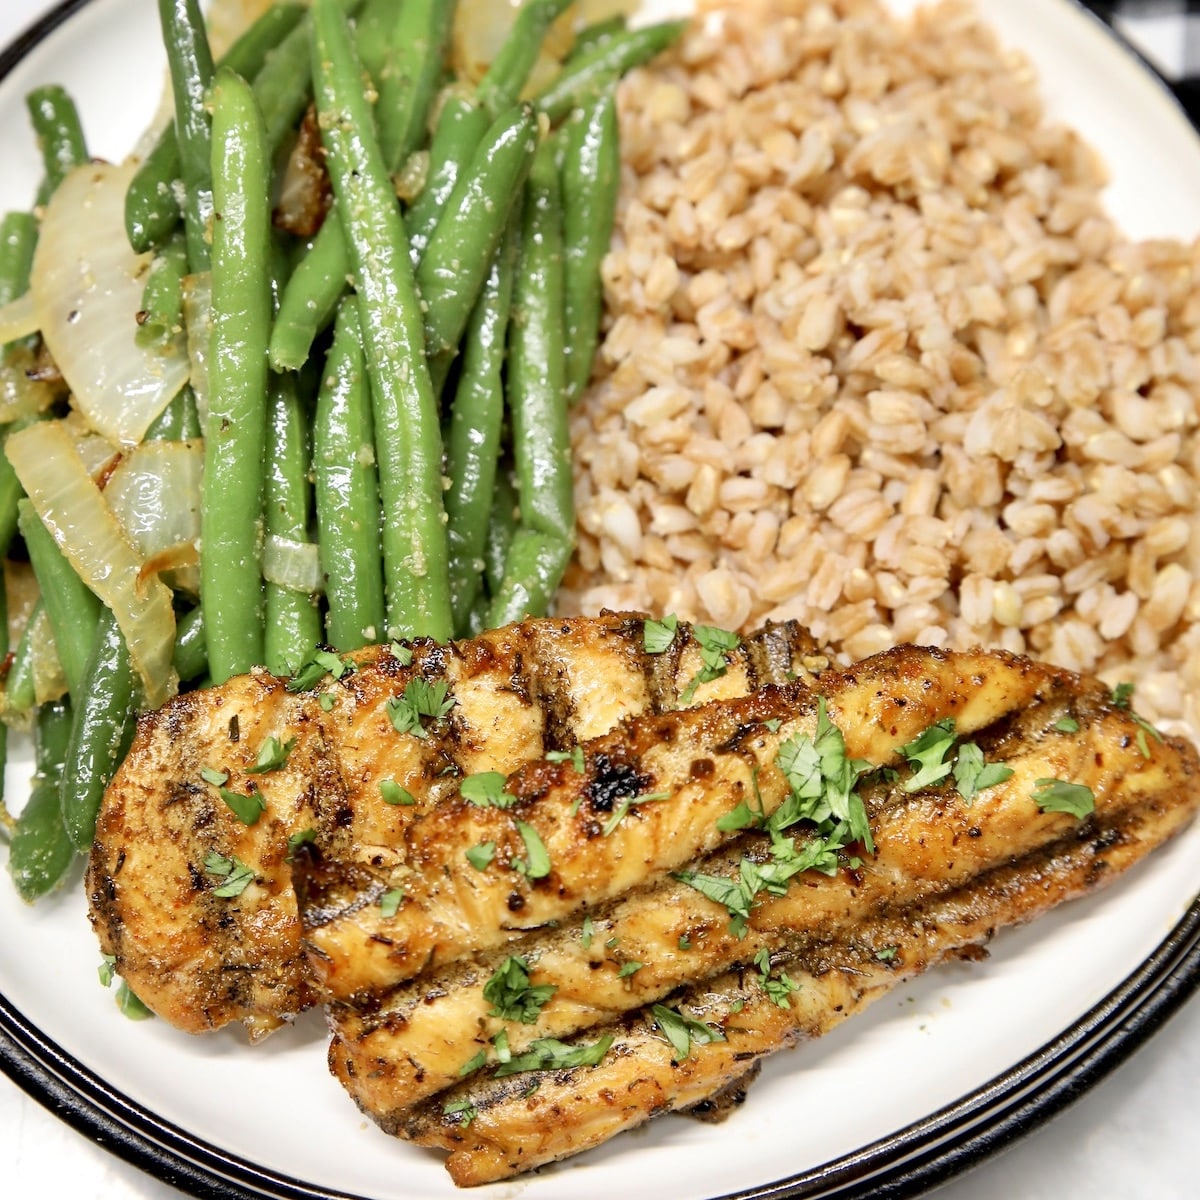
(929, 1079)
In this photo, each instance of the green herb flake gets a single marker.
(486, 790)
(685, 942)
(389, 902)
(927, 753)
(107, 970)
(512, 996)
(327, 701)
(130, 1005)
(683, 1032)
(625, 806)
(1067, 725)
(772, 724)
(629, 968)
(500, 1041)
(536, 863)
(463, 1109)
(420, 699)
(1122, 695)
(401, 653)
(215, 777)
(657, 636)
(549, 1054)
(299, 839)
(480, 856)
(741, 817)
(714, 644)
(236, 874)
(473, 1063)
(1059, 796)
(247, 808)
(574, 756)
(272, 755)
(393, 793)
(322, 663)
(887, 954)
(972, 775)
(586, 932)
(1144, 728)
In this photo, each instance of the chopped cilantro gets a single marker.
(322, 663)
(512, 996)
(536, 863)
(772, 724)
(236, 874)
(682, 1032)
(216, 778)
(1067, 725)
(401, 653)
(272, 755)
(629, 968)
(420, 699)
(685, 942)
(130, 1005)
(393, 793)
(247, 809)
(107, 969)
(586, 932)
(1057, 795)
(714, 644)
(463, 1109)
(1122, 695)
(389, 902)
(1144, 727)
(327, 701)
(887, 954)
(972, 775)
(299, 839)
(549, 1054)
(574, 756)
(657, 636)
(481, 855)
(741, 817)
(928, 753)
(779, 988)
(473, 1063)
(500, 1041)
(486, 789)
(622, 810)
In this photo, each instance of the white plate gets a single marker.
(951, 1040)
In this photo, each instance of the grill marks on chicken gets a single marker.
(200, 960)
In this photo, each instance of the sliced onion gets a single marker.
(87, 290)
(49, 680)
(155, 495)
(292, 565)
(197, 319)
(18, 319)
(21, 394)
(99, 455)
(74, 510)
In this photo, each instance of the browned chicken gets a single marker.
(200, 957)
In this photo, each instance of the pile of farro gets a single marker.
(876, 359)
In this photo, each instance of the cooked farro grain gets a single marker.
(876, 358)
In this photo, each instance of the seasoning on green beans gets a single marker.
(59, 134)
(231, 512)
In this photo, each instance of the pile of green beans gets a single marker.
(386, 399)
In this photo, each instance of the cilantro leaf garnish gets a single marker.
(886, 954)
(536, 864)
(1057, 795)
(629, 968)
(327, 701)
(473, 1063)
(1122, 695)
(928, 751)
(130, 1004)
(481, 855)
(463, 1109)
(272, 755)
(393, 793)
(549, 1054)
(512, 996)
(389, 902)
(778, 988)
(629, 802)
(420, 699)
(500, 1041)
(714, 644)
(682, 1032)
(401, 653)
(657, 636)
(972, 775)
(236, 874)
(1144, 728)
(587, 931)
(320, 664)
(486, 789)
(574, 756)
(213, 776)
(247, 808)
(299, 839)
(1066, 724)
(107, 969)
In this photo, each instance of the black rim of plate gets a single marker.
(905, 1164)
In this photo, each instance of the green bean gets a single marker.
(311, 296)
(100, 732)
(408, 78)
(476, 417)
(8, 664)
(18, 240)
(599, 33)
(502, 526)
(190, 60)
(347, 491)
(71, 606)
(161, 315)
(41, 853)
(60, 136)
(500, 88)
(590, 174)
(581, 77)
(151, 202)
(460, 128)
(231, 510)
(542, 545)
(407, 435)
(459, 254)
(293, 617)
(20, 695)
(179, 421)
(191, 645)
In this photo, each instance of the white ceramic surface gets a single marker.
(916, 1051)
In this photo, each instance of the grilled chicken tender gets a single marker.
(842, 942)
(200, 959)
